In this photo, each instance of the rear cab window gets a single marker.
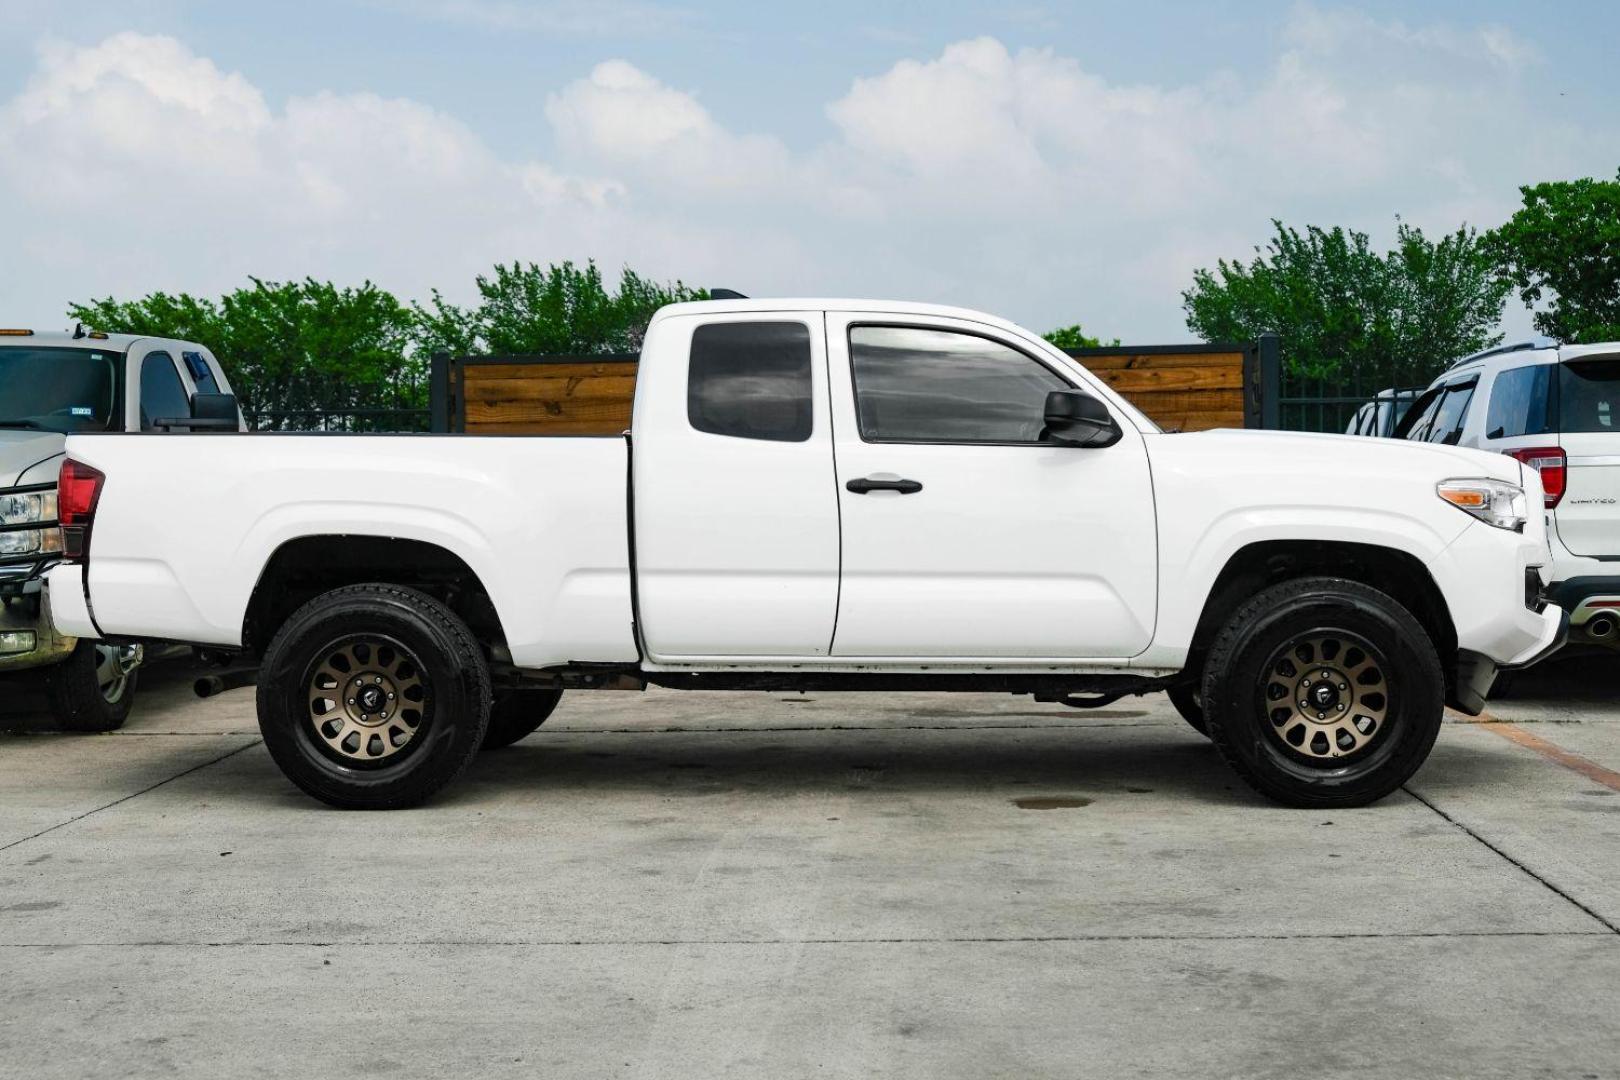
(751, 380)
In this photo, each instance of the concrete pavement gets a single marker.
(709, 885)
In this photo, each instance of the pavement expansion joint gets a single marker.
(1526, 870)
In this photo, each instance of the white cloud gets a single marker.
(590, 18)
(1018, 180)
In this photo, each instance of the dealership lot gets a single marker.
(699, 884)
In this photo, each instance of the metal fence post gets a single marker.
(439, 392)
(1270, 381)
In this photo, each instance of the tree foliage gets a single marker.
(559, 309)
(289, 346)
(1072, 337)
(1342, 308)
(1562, 247)
(307, 346)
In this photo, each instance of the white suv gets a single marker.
(1557, 409)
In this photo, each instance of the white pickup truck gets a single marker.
(823, 494)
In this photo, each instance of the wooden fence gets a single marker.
(1181, 387)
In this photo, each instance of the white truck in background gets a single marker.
(53, 385)
(823, 494)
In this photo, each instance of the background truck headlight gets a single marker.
(30, 542)
(27, 507)
(1492, 501)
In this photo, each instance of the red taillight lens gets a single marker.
(78, 489)
(1549, 462)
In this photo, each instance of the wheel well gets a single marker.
(302, 569)
(1396, 573)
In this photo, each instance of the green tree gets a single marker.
(1342, 308)
(1563, 247)
(560, 309)
(291, 346)
(1072, 337)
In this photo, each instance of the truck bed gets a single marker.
(176, 551)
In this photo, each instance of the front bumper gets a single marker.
(25, 610)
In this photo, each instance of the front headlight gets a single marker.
(1492, 501)
(27, 507)
(30, 542)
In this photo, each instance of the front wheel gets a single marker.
(94, 688)
(373, 697)
(1323, 692)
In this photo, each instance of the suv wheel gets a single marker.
(94, 688)
(373, 697)
(1324, 693)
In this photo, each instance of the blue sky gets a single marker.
(1051, 162)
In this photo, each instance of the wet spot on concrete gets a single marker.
(33, 905)
(37, 859)
(1051, 802)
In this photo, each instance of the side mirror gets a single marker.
(209, 412)
(1075, 418)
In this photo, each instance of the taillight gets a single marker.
(1549, 462)
(78, 489)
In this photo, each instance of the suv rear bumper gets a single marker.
(25, 610)
(1593, 603)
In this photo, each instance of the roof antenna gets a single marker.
(726, 294)
(78, 331)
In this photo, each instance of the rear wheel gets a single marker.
(373, 697)
(517, 713)
(1323, 692)
(94, 688)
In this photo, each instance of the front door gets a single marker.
(966, 532)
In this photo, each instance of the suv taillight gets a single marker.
(1549, 462)
(78, 489)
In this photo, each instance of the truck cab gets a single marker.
(53, 385)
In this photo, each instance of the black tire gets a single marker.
(1244, 663)
(84, 695)
(1185, 697)
(517, 713)
(415, 638)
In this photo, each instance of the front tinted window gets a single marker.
(58, 389)
(1447, 425)
(751, 380)
(1589, 395)
(1520, 403)
(163, 397)
(1418, 414)
(916, 385)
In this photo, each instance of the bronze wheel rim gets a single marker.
(367, 699)
(1327, 696)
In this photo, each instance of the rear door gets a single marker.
(1588, 517)
(736, 520)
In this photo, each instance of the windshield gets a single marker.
(57, 389)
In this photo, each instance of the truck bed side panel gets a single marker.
(187, 523)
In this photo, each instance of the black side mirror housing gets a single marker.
(1075, 418)
(209, 412)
